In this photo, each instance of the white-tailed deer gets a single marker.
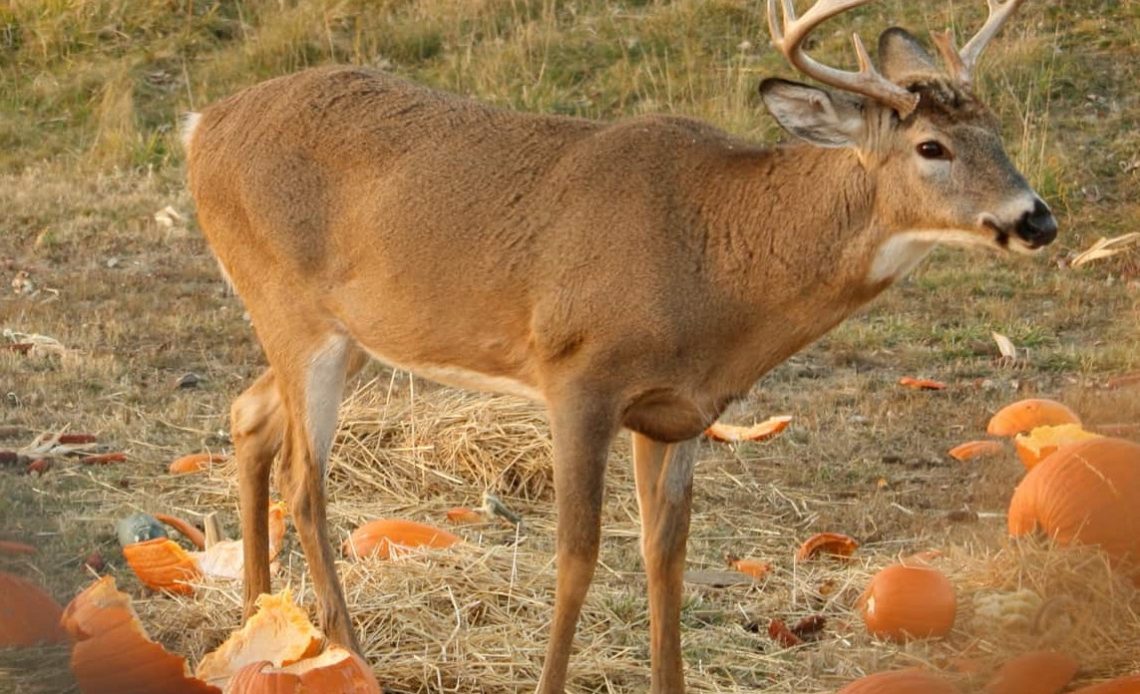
(639, 274)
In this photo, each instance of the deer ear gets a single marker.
(815, 115)
(902, 57)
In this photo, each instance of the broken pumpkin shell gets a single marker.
(903, 602)
(730, 433)
(387, 538)
(335, 670)
(226, 559)
(195, 462)
(835, 544)
(162, 564)
(1039, 443)
(113, 652)
(1024, 415)
(1039, 672)
(755, 568)
(461, 515)
(975, 449)
(1121, 685)
(28, 615)
(1084, 493)
(279, 633)
(911, 681)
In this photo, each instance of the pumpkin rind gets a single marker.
(901, 682)
(1041, 442)
(385, 538)
(1085, 492)
(835, 544)
(162, 564)
(195, 462)
(335, 670)
(1122, 685)
(113, 652)
(730, 433)
(1025, 415)
(1039, 672)
(903, 602)
(28, 615)
(975, 449)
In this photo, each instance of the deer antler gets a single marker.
(960, 64)
(789, 36)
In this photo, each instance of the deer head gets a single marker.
(934, 150)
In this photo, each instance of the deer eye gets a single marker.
(932, 150)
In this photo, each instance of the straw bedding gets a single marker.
(474, 618)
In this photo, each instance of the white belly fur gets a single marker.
(464, 378)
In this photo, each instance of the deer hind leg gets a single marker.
(311, 395)
(582, 433)
(664, 474)
(257, 423)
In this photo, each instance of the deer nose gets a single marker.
(1038, 227)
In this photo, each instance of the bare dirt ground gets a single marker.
(137, 304)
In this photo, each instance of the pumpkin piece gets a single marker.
(911, 681)
(1084, 493)
(113, 652)
(835, 544)
(1039, 672)
(162, 564)
(779, 632)
(195, 462)
(13, 547)
(1035, 446)
(226, 559)
(279, 633)
(188, 531)
(461, 515)
(921, 383)
(903, 602)
(755, 568)
(1024, 415)
(335, 670)
(390, 538)
(729, 433)
(1121, 685)
(975, 449)
(28, 615)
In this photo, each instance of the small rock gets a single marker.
(188, 380)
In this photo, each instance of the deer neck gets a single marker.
(808, 249)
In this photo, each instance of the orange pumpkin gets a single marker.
(1086, 492)
(729, 433)
(278, 633)
(1121, 685)
(461, 515)
(161, 564)
(975, 449)
(1039, 672)
(750, 567)
(1039, 443)
(904, 602)
(113, 652)
(335, 670)
(13, 547)
(1025, 415)
(28, 615)
(386, 538)
(836, 544)
(195, 462)
(910, 681)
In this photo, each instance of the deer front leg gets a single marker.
(256, 424)
(582, 432)
(664, 474)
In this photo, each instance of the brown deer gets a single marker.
(640, 274)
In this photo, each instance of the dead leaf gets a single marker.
(1106, 248)
(1005, 346)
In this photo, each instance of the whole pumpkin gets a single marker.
(1086, 492)
(904, 602)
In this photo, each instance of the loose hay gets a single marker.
(474, 618)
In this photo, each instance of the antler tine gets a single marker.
(962, 66)
(789, 36)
